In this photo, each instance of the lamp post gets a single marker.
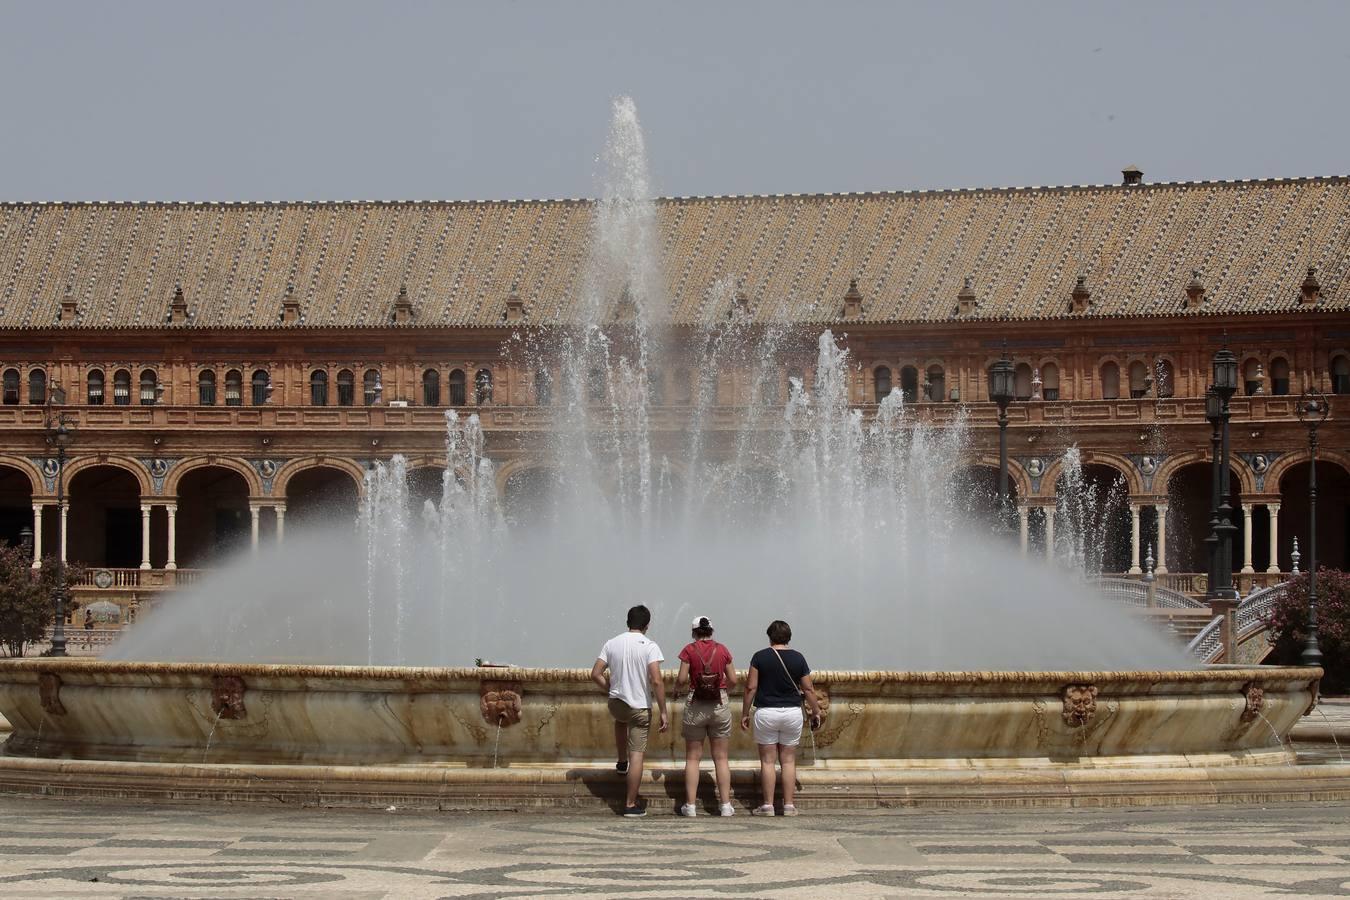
(61, 436)
(1313, 410)
(1002, 376)
(1214, 413)
(1225, 385)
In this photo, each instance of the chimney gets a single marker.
(178, 309)
(1132, 175)
(740, 305)
(515, 307)
(853, 299)
(403, 308)
(290, 307)
(1311, 288)
(966, 302)
(69, 307)
(1195, 289)
(1080, 298)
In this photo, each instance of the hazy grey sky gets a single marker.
(401, 100)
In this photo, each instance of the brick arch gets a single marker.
(1281, 466)
(295, 466)
(138, 471)
(1134, 481)
(512, 466)
(1016, 474)
(183, 467)
(1163, 478)
(35, 478)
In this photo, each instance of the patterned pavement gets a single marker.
(62, 848)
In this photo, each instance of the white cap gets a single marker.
(702, 622)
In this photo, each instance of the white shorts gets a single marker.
(779, 725)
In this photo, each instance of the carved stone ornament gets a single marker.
(1148, 465)
(1260, 463)
(227, 697)
(500, 702)
(1256, 701)
(1035, 467)
(1080, 704)
(49, 693)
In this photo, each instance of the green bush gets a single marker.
(1288, 621)
(26, 597)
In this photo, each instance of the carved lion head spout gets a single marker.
(227, 697)
(1255, 696)
(499, 702)
(49, 693)
(1080, 704)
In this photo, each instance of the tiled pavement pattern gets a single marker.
(52, 849)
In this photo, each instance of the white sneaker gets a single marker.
(728, 810)
(689, 810)
(765, 810)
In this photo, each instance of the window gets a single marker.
(935, 386)
(260, 382)
(37, 387)
(909, 384)
(206, 388)
(1139, 380)
(94, 384)
(1340, 374)
(1110, 381)
(318, 388)
(543, 388)
(1165, 378)
(1022, 381)
(458, 396)
(346, 382)
(431, 388)
(149, 387)
(1251, 377)
(11, 381)
(1279, 376)
(121, 388)
(371, 388)
(881, 382)
(1050, 381)
(234, 388)
(482, 387)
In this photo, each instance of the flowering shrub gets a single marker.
(1288, 621)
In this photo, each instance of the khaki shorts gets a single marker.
(703, 719)
(639, 722)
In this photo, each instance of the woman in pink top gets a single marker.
(707, 673)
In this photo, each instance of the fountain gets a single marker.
(941, 649)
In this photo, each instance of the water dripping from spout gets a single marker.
(1332, 729)
(497, 742)
(212, 733)
(1275, 734)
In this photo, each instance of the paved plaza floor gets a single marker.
(65, 848)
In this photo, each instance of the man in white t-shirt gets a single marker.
(628, 669)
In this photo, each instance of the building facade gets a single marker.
(229, 371)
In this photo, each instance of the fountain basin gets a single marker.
(473, 717)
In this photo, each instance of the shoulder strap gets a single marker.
(707, 661)
(795, 681)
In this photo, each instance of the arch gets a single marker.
(346, 387)
(36, 482)
(105, 514)
(1022, 381)
(909, 384)
(371, 387)
(213, 513)
(1339, 367)
(318, 388)
(1281, 466)
(935, 383)
(93, 381)
(183, 467)
(482, 387)
(431, 388)
(528, 492)
(543, 388)
(296, 466)
(1017, 475)
(11, 387)
(16, 504)
(1253, 376)
(1140, 378)
(1109, 375)
(1188, 487)
(1246, 477)
(1134, 481)
(881, 383)
(1164, 377)
(206, 388)
(458, 391)
(234, 388)
(79, 463)
(122, 387)
(1279, 376)
(1050, 380)
(37, 387)
(149, 384)
(259, 384)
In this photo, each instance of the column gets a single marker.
(65, 508)
(1024, 525)
(1049, 534)
(1134, 540)
(145, 535)
(1161, 567)
(1273, 509)
(253, 511)
(1247, 539)
(280, 510)
(37, 535)
(172, 561)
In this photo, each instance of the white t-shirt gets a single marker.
(628, 656)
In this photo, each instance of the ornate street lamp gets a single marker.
(1002, 388)
(1214, 413)
(60, 435)
(1313, 410)
(1225, 385)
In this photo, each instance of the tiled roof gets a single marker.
(1023, 248)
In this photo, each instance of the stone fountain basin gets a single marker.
(358, 715)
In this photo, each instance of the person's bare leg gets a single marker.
(722, 768)
(787, 757)
(693, 754)
(768, 759)
(634, 777)
(620, 741)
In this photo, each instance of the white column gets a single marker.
(65, 508)
(37, 535)
(253, 512)
(1274, 510)
(280, 510)
(145, 535)
(1049, 534)
(1161, 567)
(1024, 526)
(1134, 540)
(172, 561)
(1247, 539)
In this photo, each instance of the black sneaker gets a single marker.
(621, 767)
(634, 812)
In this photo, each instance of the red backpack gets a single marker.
(707, 684)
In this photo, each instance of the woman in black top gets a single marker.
(778, 683)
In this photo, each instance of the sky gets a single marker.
(334, 100)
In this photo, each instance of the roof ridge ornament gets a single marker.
(1195, 289)
(178, 308)
(290, 306)
(1311, 288)
(1080, 298)
(853, 300)
(966, 301)
(403, 306)
(70, 307)
(515, 307)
